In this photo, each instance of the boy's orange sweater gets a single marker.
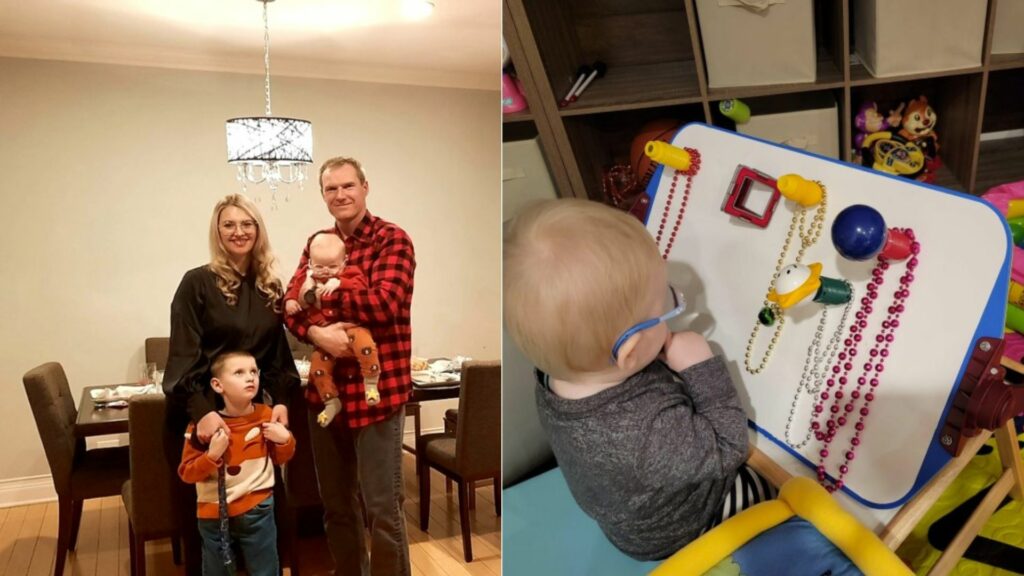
(250, 460)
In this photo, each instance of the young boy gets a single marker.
(645, 424)
(327, 272)
(234, 476)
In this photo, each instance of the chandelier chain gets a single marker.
(266, 54)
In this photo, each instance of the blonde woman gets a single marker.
(231, 303)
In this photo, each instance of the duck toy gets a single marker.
(796, 282)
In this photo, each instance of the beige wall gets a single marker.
(108, 175)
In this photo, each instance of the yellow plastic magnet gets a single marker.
(800, 190)
(1015, 209)
(668, 155)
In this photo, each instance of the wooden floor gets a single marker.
(28, 538)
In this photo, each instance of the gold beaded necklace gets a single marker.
(809, 234)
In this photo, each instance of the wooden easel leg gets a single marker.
(904, 521)
(1011, 481)
(1009, 455)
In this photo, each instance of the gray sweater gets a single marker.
(650, 459)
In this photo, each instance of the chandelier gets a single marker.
(269, 148)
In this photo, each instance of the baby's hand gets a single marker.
(218, 444)
(329, 287)
(276, 432)
(684, 349)
(292, 307)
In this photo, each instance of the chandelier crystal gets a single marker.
(269, 148)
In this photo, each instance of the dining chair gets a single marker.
(473, 452)
(147, 494)
(78, 474)
(157, 350)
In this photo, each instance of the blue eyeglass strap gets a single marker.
(679, 308)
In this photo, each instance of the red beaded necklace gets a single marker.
(689, 174)
(842, 408)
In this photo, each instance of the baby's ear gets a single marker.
(627, 358)
(216, 385)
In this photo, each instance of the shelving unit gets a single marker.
(656, 69)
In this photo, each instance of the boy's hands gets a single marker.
(292, 307)
(218, 444)
(276, 432)
(684, 349)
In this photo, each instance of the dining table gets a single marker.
(99, 420)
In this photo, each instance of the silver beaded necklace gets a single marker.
(816, 367)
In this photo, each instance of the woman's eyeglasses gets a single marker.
(677, 305)
(245, 225)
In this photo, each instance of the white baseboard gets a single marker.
(28, 490)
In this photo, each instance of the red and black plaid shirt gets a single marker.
(384, 253)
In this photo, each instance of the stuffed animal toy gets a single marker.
(919, 127)
(869, 120)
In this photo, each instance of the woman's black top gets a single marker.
(203, 325)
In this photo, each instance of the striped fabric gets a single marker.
(750, 488)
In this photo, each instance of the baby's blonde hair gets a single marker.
(327, 241)
(576, 275)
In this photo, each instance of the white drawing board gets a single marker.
(724, 266)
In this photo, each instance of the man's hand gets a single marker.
(218, 444)
(209, 424)
(684, 349)
(292, 307)
(332, 339)
(275, 432)
(279, 414)
(329, 287)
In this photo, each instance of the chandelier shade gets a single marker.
(269, 148)
(269, 139)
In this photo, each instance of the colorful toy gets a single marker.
(512, 99)
(800, 190)
(658, 130)
(736, 201)
(804, 527)
(796, 282)
(859, 233)
(735, 109)
(668, 155)
(919, 127)
(869, 121)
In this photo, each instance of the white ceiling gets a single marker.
(366, 40)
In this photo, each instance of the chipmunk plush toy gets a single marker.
(919, 128)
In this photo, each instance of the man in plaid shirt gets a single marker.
(362, 452)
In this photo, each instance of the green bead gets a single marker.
(766, 316)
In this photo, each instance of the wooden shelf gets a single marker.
(828, 78)
(521, 116)
(859, 75)
(999, 162)
(1006, 61)
(636, 87)
(656, 69)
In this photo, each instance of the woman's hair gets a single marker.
(576, 274)
(262, 261)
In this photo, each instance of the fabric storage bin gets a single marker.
(524, 176)
(1008, 33)
(757, 42)
(895, 37)
(812, 124)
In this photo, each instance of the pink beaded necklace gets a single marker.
(689, 174)
(842, 408)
